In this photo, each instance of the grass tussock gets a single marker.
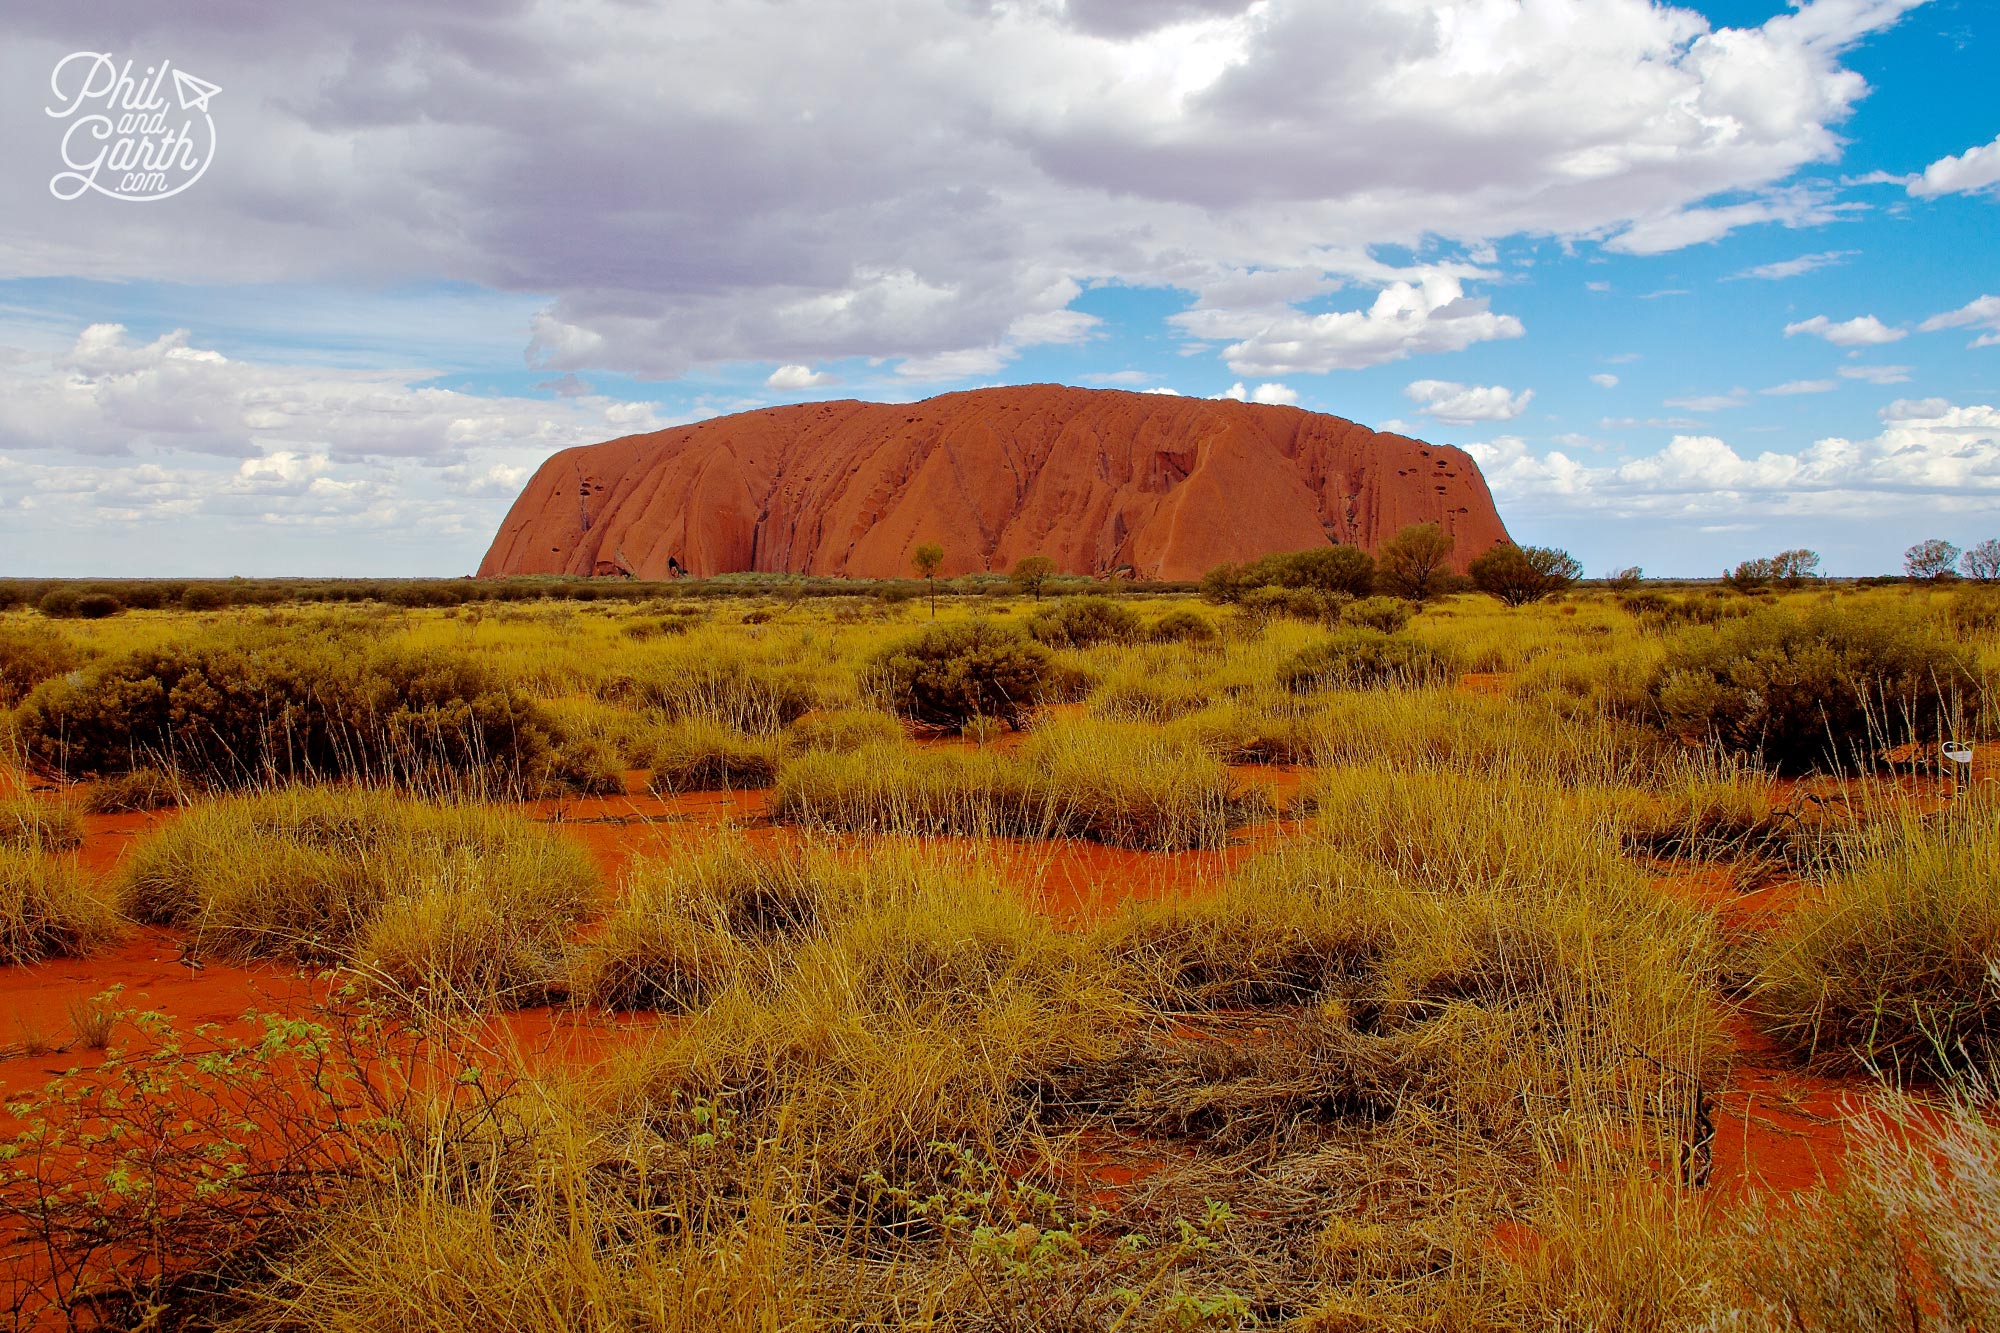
(50, 908)
(31, 824)
(1892, 964)
(1124, 785)
(700, 755)
(434, 900)
(683, 929)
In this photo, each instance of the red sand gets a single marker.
(1095, 479)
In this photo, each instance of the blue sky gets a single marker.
(1693, 283)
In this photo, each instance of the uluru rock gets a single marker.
(1095, 479)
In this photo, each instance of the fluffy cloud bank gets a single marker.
(614, 158)
(1931, 455)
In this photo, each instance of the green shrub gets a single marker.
(1358, 658)
(1345, 570)
(1387, 614)
(1522, 574)
(242, 710)
(1083, 622)
(1183, 626)
(950, 674)
(31, 653)
(1803, 689)
(1268, 603)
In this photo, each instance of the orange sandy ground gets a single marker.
(1777, 1128)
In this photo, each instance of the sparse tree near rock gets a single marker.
(1409, 562)
(1931, 559)
(1521, 574)
(925, 560)
(1031, 574)
(1981, 561)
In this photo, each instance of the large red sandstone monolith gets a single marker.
(1095, 479)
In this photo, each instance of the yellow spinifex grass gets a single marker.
(1119, 783)
(435, 899)
(1895, 963)
(50, 908)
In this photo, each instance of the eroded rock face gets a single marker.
(1095, 479)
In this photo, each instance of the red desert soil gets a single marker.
(1095, 479)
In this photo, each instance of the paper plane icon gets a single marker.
(194, 93)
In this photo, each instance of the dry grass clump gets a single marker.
(28, 823)
(844, 729)
(1360, 658)
(1910, 1240)
(1893, 964)
(701, 755)
(1121, 784)
(49, 908)
(682, 929)
(127, 793)
(436, 900)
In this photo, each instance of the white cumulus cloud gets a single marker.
(1276, 394)
(798, 377)
(1972, 170)
(1461, 403)
(1861, 331)
(1406, 318)
(1983, 312)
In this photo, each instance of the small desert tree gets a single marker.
(1750, 574)
(1794, 567)
(1521, 574)
(1031, 574)
(1627, 579)
(1981, 561)
(1931, 559)
(1409, 562)
(925, 560)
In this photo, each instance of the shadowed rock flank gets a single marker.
(1095, 479)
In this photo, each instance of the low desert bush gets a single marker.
(1085, 622)
(235, 711)
(1183, 626)
(1892, 964)
(438, 901)
(49, 908)
(1827, 686)
(1346, 571)
(1364, 658)
(30, 653)
(1386, 614)
(950, 674)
